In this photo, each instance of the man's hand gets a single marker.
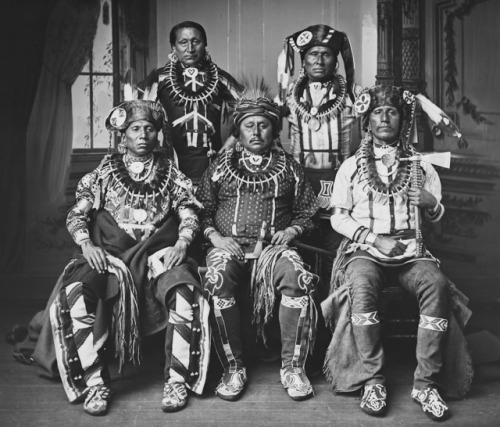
(389, 246)
(422, 198)
(283, 237)
(228, 244)
(174, 255)
(230, 142)
(95, 256)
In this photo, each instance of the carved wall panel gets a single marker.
(462, 47)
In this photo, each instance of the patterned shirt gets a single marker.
(334, 133)
(195, 111)
(380, 215)
(139, 208)
(237, 201)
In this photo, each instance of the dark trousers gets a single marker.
(420, 278)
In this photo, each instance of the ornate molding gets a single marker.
(450, 64)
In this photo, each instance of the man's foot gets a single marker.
(96, 402)
(432, 403)
(175, 397)
(374, 400)
(232, 384)
(296, 383)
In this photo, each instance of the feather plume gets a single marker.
(130, 86)
(283, 77)
(255, 87)
(150, 93)
(440, 118)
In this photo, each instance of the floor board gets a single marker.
(29, 400)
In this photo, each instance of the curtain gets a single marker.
(68, 44)
(23, 26)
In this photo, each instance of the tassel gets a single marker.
(125, 323)
(348, 59)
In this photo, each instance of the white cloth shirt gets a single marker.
(351, 194)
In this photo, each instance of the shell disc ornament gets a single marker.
(140, 215)
(314, 124)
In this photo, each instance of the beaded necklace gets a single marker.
(114, 167)
(137, 165)
(322, 113)
(229, 168)
(182, 94)
(365, 160)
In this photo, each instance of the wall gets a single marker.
(245, 37)
(469, 234)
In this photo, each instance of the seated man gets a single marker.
(134, 218)
(377, 203)
(254, 189)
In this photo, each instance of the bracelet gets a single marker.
(188, 241)
(208, 232)
(370, 238)
(83, 241)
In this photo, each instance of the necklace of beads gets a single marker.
(229, 169)
(137, 165)
(365, 160)
(322, 113)
(183, 95)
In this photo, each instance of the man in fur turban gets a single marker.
(378, 197)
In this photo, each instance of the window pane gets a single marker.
(103, 102)
(86, 67)
(81, 112)
(103, 47)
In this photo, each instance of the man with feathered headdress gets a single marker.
(253, 191)
(378, 197)
(319, 110)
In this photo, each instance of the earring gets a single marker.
(368, 134)
(110, 148)
(173, 56)
(208, 58)
(122, 146)
(238, 147)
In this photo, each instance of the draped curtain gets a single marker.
(69, 39)
(23, 26)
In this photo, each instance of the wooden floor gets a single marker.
(29, 400)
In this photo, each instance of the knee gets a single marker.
(364, 289)
(292, 277)
(434, 286)
(222, 275)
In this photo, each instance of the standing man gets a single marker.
(249, 192)
(376, 203)
(194, 92)
(319, 109)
